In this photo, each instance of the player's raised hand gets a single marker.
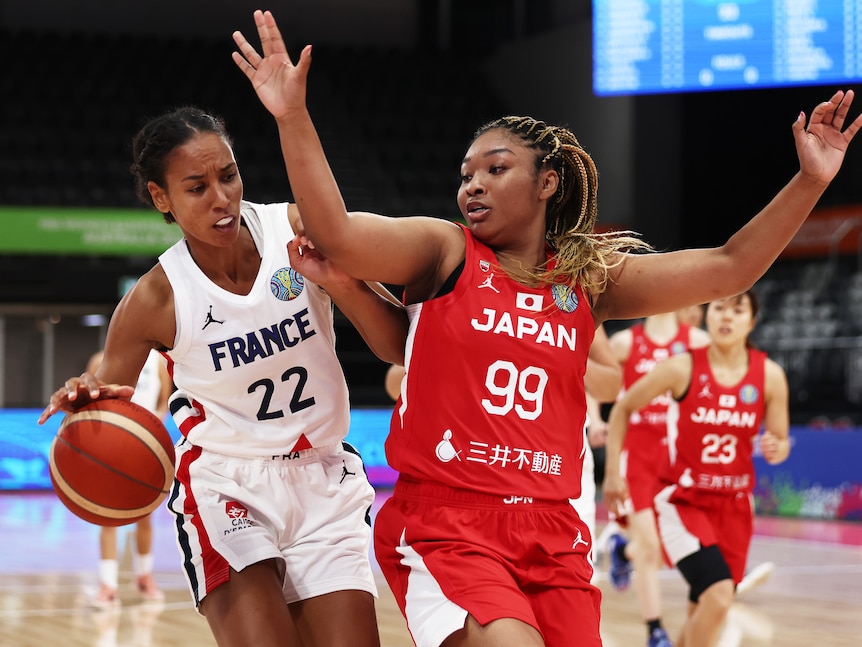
(280, 85)
(822, 144)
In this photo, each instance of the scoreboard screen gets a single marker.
(663, 46)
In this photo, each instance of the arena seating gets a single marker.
(394, 125)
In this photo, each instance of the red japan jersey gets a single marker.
(493, 399)
(711, 430)
(643, 357)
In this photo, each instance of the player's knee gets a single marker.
(719, 597)
(645, 552)
(652, 548)
(703, 569)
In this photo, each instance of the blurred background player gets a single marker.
(721, 397)
(691, 316)
(152, 390)
(392, 383)
(638, 349)
(602, 381)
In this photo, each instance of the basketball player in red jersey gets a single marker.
(722, 395)
(479, 543)
(759, 574)
(639, 349)
(603, 380)
(691, 316)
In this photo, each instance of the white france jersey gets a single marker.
(256, 374)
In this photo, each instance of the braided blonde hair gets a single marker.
(581, 255)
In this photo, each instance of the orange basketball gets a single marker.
(112, 462)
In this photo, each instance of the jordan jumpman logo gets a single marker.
(210, 319)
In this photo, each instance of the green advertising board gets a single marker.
(109, 232)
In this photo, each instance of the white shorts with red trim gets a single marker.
(309, 510)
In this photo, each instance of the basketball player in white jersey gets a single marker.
(152, 390)
(271, 504)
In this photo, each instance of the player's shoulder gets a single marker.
(698, 337)
(621, 342)
(148, 307)
(153, 287)
(773, 368)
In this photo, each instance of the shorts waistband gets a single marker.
(415, 490)
(304, 455)
(298, 457)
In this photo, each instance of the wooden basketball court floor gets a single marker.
(48, 563)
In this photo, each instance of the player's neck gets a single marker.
(728, 362)
(661, 328)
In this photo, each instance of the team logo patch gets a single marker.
(677, 347)
(286, 284)
(211, 320)
(489, 283)
(235, 510)
(749, 394)
(564, 298)
(445, 450)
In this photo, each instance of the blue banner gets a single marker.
(822, 477)
(25, 446)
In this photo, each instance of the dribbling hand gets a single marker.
(80, 391)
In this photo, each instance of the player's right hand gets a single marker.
(80, 391)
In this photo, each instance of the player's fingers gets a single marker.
(49, 411)
(304, 62)
(841, 110)
(275, 42)
(242, 64)
(833, 108)
(72, 387)
(798, 129)
(247, 52)
(825, 111)
(115, 391)
(90, 383)
(294, 252)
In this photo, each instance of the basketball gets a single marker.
(112, 462)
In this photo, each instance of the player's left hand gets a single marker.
(773, 448)
(822, 144)
(313, 265)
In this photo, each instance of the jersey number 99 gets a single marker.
(512, 389)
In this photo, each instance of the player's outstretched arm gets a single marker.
(398, 251)
(664, 282)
